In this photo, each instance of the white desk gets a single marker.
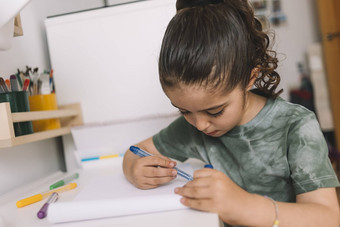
(27, 216)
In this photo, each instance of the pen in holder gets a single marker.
(19, 103)
(40, 103)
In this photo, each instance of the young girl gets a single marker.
(269, 156)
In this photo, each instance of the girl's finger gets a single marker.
(194, 192)
(198, 204)
(159, 172)
(157, 181)
(156, 161)
(205, 172)
(199, 182)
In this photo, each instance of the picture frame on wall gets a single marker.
(18, 31)
(269, 12)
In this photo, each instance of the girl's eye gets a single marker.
(216, 114)
(184, 112)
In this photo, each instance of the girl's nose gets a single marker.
(201, 122)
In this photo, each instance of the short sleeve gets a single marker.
(308, 156)
(174, 141)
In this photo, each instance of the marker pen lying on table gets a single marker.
(43, 210)
(64, 181)
(101, 157)
(142, 153)
(40, 196)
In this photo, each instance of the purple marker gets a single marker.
(43, 210)
(14, 83)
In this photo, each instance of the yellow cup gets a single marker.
(44, 102)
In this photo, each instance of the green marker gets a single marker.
(64, 181)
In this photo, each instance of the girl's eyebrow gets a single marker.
(211, 108)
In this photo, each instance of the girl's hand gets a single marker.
(213, 191)
(152, 171)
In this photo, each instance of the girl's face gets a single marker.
(213, 113)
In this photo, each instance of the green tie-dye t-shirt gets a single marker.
(280, 153)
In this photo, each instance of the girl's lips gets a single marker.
(212, 133)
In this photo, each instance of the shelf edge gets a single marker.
(41, 115)
(34, 137)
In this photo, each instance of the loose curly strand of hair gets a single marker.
(268, 79)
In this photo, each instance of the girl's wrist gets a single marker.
(276, 222)
(259, 211)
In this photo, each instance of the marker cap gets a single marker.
(208, 166)
(57, 185)
(43, 211)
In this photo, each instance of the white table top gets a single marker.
(11, 216)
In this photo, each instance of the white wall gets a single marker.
(31, 48)
(25, 163)
(293, 38)
(29, 162)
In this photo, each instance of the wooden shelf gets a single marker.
(70, 115)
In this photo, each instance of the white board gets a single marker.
(107, 59)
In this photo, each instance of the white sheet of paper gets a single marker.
(113, 196)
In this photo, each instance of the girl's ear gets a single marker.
(253, 76)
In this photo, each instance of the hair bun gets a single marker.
(181, 4)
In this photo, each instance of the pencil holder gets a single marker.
(44, 102)
(18, 101)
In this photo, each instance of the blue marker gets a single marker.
(209, 166)
(142, 153)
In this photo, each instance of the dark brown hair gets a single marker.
(217, 43)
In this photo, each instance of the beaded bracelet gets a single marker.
(276, 222)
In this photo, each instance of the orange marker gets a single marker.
(8, 83)
(40, 196)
